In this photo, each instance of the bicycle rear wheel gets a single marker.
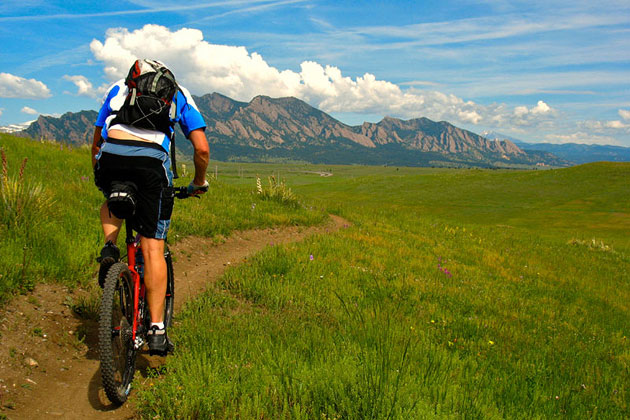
(115, 341)
(170, 289)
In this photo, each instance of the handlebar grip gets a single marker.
(181, 192)
(194, 189)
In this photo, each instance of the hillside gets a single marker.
(582, 153)
(572, 152)
(74, 128)
(288, 129)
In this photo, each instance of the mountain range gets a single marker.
(572, 152)
(288, 129)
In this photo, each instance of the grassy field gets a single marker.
(452, 294)
(49, 223)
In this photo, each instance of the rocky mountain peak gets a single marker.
(272, 128)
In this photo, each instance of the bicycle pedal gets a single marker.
(138, 343)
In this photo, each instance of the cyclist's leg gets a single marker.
(155, 280)
(154, 276)
(110, 252)
(109, 168)
(110, 223)
(151, 221)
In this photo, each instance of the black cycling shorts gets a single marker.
(154, 200)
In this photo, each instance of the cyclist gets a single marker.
(124, 152)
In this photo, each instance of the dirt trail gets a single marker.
(46, 372)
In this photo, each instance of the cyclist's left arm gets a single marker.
(193, 125)
(201, 157)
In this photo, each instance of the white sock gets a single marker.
(160, 325)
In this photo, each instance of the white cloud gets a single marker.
(582, 138)
(29, 110)
(204, 68)
(499, 26)
(625, 114)
(616, 124)
(18, 87)
(539, 114)
(420, 83)
(148, 7)
(600, 126)
(541, 108)
(85, 87)
(82, 83)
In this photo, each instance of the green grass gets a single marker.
(454, 294)
(61, 241)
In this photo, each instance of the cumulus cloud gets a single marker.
(541, 108)
(29, 110)
(12, 86)
(523, 116)
(85, 87)
(625, 114)
(204, 67)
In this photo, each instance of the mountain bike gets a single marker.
(124, 314)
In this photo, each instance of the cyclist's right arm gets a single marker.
(103, 113)
(96, 144)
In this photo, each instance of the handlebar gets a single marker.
(182, 192)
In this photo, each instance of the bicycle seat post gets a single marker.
(129, 229)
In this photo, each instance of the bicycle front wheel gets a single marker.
(115, 341)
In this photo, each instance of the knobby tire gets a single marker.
(117, 354)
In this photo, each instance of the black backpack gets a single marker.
(151, 102)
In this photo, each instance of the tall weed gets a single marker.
(24, 204)
(25, 207)
(277, 190)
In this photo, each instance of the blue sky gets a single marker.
(552, 71)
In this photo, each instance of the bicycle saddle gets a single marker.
(122, 199)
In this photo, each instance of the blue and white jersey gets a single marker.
(187, 115)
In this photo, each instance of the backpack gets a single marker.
(151, 102)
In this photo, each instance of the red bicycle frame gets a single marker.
(133, 246)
